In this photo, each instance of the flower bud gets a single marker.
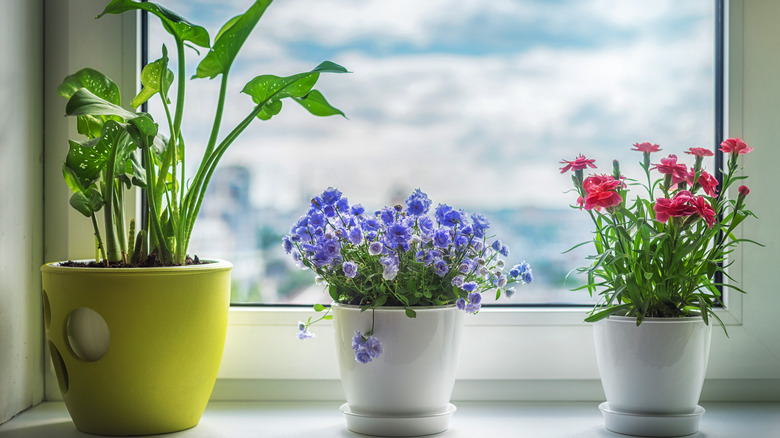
(743, 191)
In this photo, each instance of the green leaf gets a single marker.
(173, 23)
(156, 77)
(319, 307)
(88, 202)
(84, 102)
(267, 90)
(98, 84)
(94, 81)
(410, 313)
(315, 103)
(380, 301)
(229, 40)
(87, 159)
(327, 317)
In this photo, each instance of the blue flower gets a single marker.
(375, 248)
(458, 280)
(461, 240)
(330, 196)
(461, 303)
(355, 236)
(441, 210)
(426, 224)
(440, 267)
(399, 234)
(475, 298)
(387, 215)
(363, 356)
(390, 272)
(479, 224)
(418, 203)
(504, 251)
(374, 347)
(303, 332)
(496, 245)
(471, 286)
(358, 210)
(372, 224)
(528, 276)
(287, 244)
(452, 218)
(441, 238)
(329, 210)
(510, 292)
(357, 340)
(342, 205)
(316, 220)
(350, 269)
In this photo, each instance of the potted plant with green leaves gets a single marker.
(657, 271)
(401, 279)
(136, 336)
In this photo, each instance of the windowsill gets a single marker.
(495, 419)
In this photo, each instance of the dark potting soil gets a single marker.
(152, 261)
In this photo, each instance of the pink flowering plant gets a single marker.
(404, 256)
(658, 255)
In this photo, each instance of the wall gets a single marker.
(21, 205)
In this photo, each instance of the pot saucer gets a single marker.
(383, 425)
(629, 423)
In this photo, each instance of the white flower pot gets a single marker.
(406, 391)
(652, 374)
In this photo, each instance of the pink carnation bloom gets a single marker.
(704, 210)
(707, 182)
(600, 192)
(678, 206)
(579, 163)
(734, 146)
(646, 147)
(700, 152)
(669, 166)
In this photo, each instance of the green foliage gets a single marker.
(125, 149)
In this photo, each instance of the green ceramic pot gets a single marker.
(136, 351)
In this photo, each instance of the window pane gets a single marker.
(473, 102)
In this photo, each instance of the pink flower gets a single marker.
(600, 192)
(704, 210)
(669, 166)
(646, 147)
(743, 191)
(579, 163)
(707, 182)
(678, 206)
(735, 146)
(700, 152)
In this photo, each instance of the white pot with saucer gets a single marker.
(652, 374)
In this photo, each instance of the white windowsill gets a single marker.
(473, 419)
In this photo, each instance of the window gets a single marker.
(475, 103)
(511, 354)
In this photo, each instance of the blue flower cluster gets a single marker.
(366, 349)
(451, 243)
(405, 255)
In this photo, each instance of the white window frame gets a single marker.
(508, 353)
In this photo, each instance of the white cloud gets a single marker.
(476, 130)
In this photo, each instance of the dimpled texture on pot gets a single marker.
(167, 334)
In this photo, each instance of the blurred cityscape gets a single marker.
(231, 228)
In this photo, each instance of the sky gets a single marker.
(473, 102)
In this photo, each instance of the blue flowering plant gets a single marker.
(405, 256)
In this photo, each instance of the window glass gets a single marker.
(473, 102)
